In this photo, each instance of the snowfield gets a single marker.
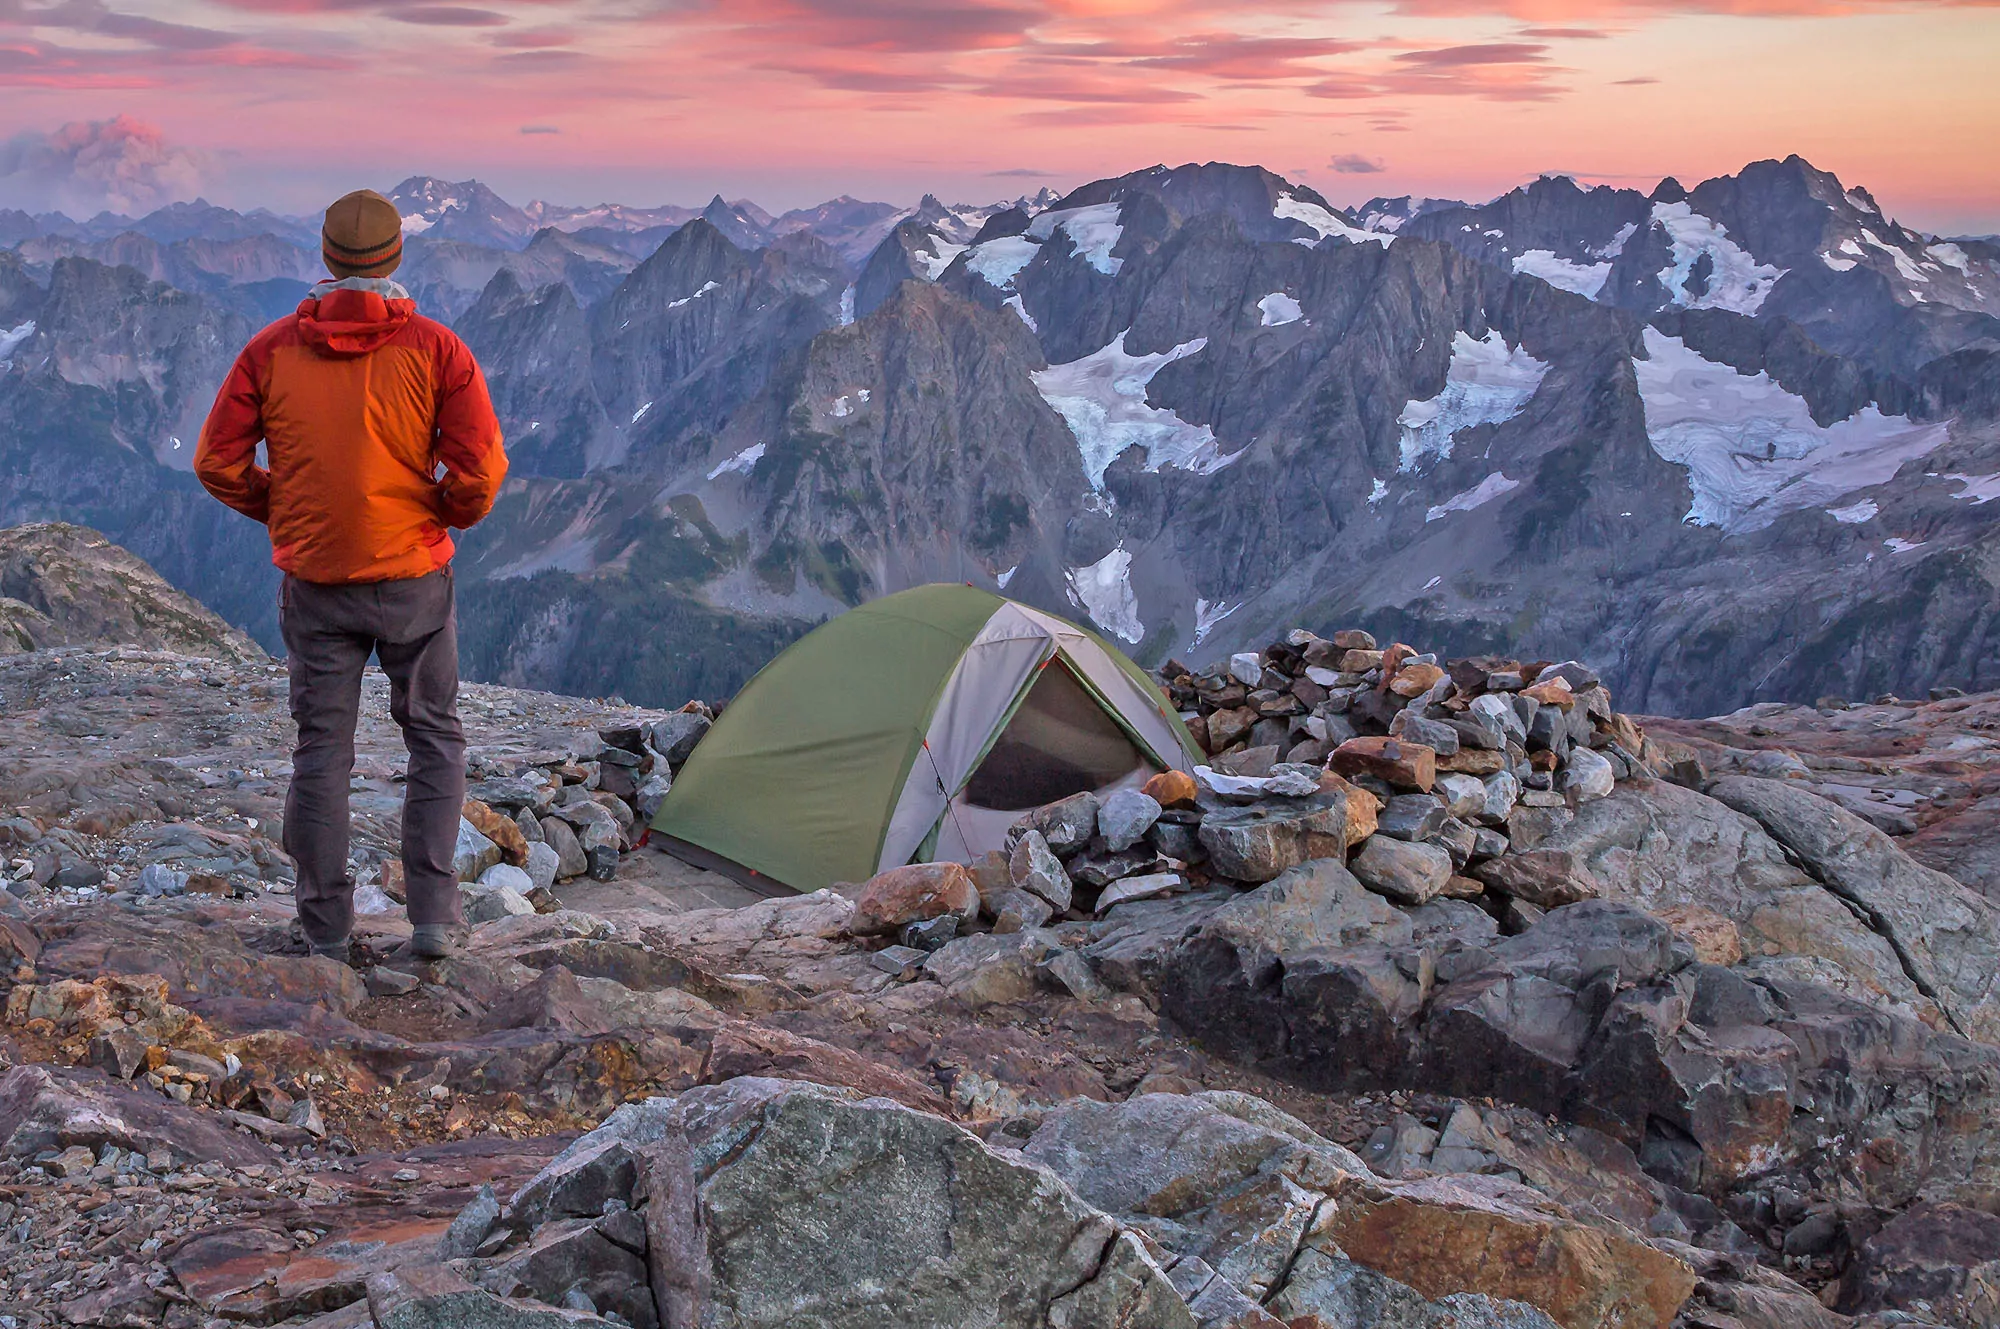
(1102, 398)
(1585, 279)
(743, 462)
(1312, 214)
(1104, 590)
(1752, 450)
(998, 262)
(1487, 382)
(1736, 281)
(1094, 230)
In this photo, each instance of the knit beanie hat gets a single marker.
(362, 237)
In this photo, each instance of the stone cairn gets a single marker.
(541, 820)
(1429, 779)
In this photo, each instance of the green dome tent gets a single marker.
(915, 728)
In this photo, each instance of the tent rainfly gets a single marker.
(915, 728)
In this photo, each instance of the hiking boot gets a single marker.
(436, 941)
(342, 950)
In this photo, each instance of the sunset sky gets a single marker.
(280, 102)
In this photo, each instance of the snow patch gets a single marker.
(1433, 583)
(933, 264)
(640, 414)
(1487, 382)
(706, 287)
(842, 407)
(1908, 270)
(1278, 309)
(1377, 491)
(1013, 302)
(12, 339)
(1736, 281)
(1855, 513)
(1952, 256)
(1102, 398)
(1586, 279)
(1324, 222)
(1208, 613)
(1896, 544)
(998, 262)
(1837, 264)
(1484, 492)
(1978, 488)
(1007, 576)
(743, 462)
(1752, 450)
(1104, 589)
(1094, 230)
(847, 305)
(1616, 245)
(417, 224)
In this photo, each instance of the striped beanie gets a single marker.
(362, 237)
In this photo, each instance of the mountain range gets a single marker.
(1736, 439)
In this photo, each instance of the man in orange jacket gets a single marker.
(380, 436)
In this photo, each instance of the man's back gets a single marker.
(358, 399)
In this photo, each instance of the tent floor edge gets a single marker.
(709, 861)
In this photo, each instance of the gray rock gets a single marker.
(1587, 775)
(676, 736)
(544, 862)
(1406, 872)
(507, 876)
(1434, 734)
(1020, 911)
(157, 879)
(531, 826)
(1255, 844)
(1502, 792)
(910, 1222)
(1411, 817)
(1125, 817)
(469, 1229)
(1144, 887)
(652, 793)
(1946, 936)
(1464, 795)
(928, 934)
(487, 904)
(511, 794)
(1033, 867)
(1067, 825)
(571, 861)
(597, 1166)
(384, 982)
(419, 1296)
(992, 969)
(1317, 904)
(473, 853)
(1070, 971)
(1500, 713)
(897, 960)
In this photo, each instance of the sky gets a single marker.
(286, 103)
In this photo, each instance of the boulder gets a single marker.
(498, 827)
(1171, 789)
(1066, 824)
(1547, 878)
(1255, 844)
(912, 894)
(473, 853)
(1587, 775)
(1406, 872)
(544, 862)
(571, 861)
(437, 1297)
(675, 737)
(1033, 867)
(1946, 935)
(1125, 817)
(776, 1204)
(1935, 1260)
(1403, 765)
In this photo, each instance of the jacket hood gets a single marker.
(354, 316)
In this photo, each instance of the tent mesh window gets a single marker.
(1060, 742)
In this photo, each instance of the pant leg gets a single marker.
(418, 649)
(324, 657)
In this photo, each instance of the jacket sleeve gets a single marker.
(225, 459)
(468, 438)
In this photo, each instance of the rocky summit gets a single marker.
(1443, 994)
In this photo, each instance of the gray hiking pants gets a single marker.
(330, 631)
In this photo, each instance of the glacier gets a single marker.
(1487, 382)
(1102, 398)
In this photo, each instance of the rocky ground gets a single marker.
(1720, 1078)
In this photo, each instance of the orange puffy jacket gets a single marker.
(360, 401)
